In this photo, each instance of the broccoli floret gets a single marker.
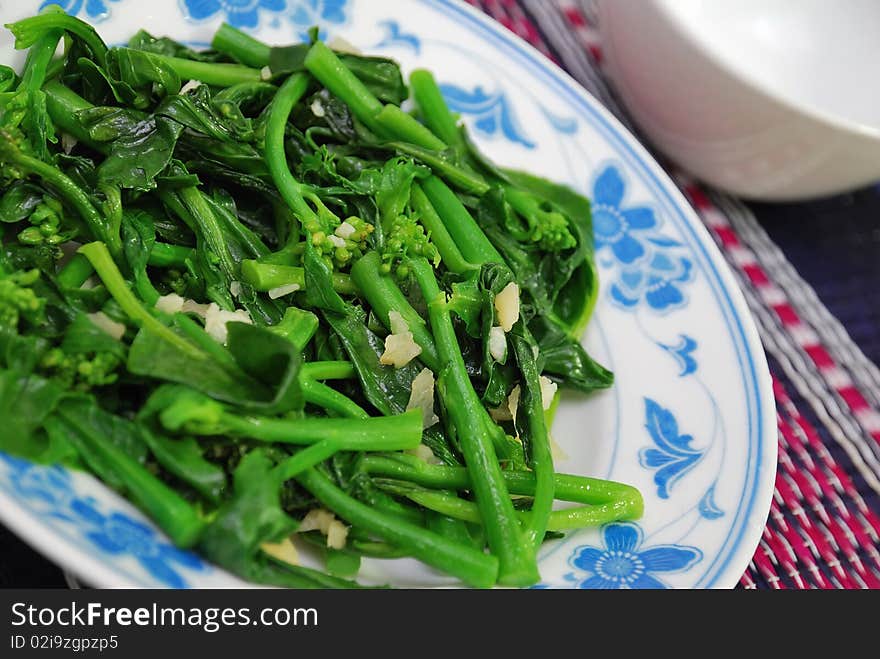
(178, 281)
(13, 144)
(18, 299)
(46, 222)
(191, 411)
(406, 238)
(81, 371)
(547, 227)
(347, 241)
(551, 231)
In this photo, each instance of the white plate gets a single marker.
(691, 418)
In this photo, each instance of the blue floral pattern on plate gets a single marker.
(49, 491)
(648, 270)
(95, 10)
(672, 455)
(492, 114)
(317, 13)
(682, 352)
(238, 13)
(622, 563)
(395, 36)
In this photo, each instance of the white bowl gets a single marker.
(768, 99)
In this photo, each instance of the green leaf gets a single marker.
(566, 361)
(319, 284)
(143, 40)
(270, 359)
(183, 457)
(252, 517)
(137, 157)
(83, 336)
(138, 238)
(198, 112)
(25, 403)
(262, 379)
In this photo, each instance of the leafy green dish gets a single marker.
(275, 310)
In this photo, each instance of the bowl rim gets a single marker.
(688, 33)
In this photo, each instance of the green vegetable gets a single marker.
(206, 266)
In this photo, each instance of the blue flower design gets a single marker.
(96, 10)
(238, 13)
(658, 283)
(309, 13)
(394, 36)
(564, 125)
(45, 488)
(492, 113)
(617, 228)
(647, 270)
(118, 534)
(707, 506)
(623, 564)
(673, 456)
(682, 352)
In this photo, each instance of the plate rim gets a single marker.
(72, 556)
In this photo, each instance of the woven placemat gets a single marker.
(834, 244)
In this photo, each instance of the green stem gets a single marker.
(63, 103)
(468, 235)
(102, 262)
(174, 514)
(393, 121)
(323, 63)
(558, 520)
(209, 226)
(382, 433)
(449, 527)
(461, 177)
(307, 458)
(297, 326)
(163, 255)
(568, 487)
(266, 276)
(450, 255)
(241, 46)
(276, 160)
(531, 426)
(328, 370)
(318, 393)
(385, 296)
(75, 272)
(27, 31)
(517, 564)
(471, 566)
(38, 58)
(210, 73)
(433, 108)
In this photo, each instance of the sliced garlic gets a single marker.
(110, 326)
(421, 397)
(171, 303)
(281, 291)
(216, 319)
(507, 306)
(497, 344)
